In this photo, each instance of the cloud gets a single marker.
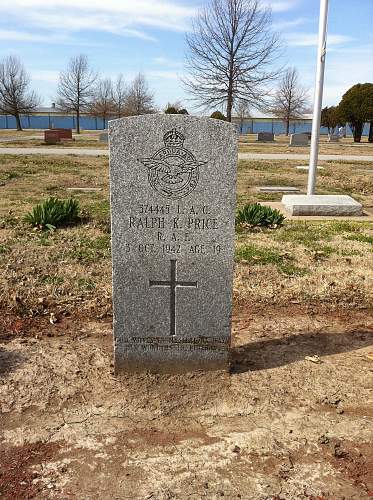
(311, 39)
(24, 36)
(283, 24)
(162, 74)
(345, 68)
(48, 76)
(121, 17)
(281, 5)
(168, 63)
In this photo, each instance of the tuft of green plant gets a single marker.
(53, 213)
(256, 215)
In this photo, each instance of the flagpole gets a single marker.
(315, 137)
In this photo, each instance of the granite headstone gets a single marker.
(298, 140)
(103, 137)
(265, 137)
(333, 138)
(173, 183)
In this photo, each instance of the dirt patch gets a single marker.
(270, 428)
(19, 469)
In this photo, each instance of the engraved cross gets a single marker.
(173, 283)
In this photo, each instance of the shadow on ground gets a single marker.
(272, 353)
(9, 361)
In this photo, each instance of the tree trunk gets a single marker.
(18, 122)
(230, 94)
(78, 121)
(287, 126)
(229, 108)
(357, 131)
(370, 137)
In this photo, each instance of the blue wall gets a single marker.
(277, 127)
(92, 123)
(52, 121)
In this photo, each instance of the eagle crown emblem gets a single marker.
(173, 138)
(173, 171)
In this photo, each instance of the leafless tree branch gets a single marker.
(231, 53)
(15, 96)
(103, 103)
(290, 100)
(76, 87)
(139, 100)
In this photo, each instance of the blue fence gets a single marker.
(94, 123)
(277, 127)
(53, 121)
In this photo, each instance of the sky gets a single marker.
(148, 36)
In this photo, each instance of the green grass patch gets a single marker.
(269, 196)
(363, 238)
(9, 221)
(261, 256)
(88, 250)
(8, 176)
(49, 279)
(99, 212)
(49, 164)
(324, 250)
(86, 284)
(310, 234)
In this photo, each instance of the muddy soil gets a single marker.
(278, 426)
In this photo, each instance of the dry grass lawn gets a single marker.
(326, 262)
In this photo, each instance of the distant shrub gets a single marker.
(53, 213)
(218, 115)
(256, 215)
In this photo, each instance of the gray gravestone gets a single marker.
(298, 140)
(173, 181)
(265, 137)
(103, 137)
(333, 138)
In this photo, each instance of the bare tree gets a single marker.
(243, 112)
(120, 92)
(140, 100)
(291, 100)
(75, 87)
(15, 96)
(231, 52)
(103, 104)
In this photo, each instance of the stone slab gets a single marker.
(173, 184)
(306, 167)
(367, 215)
(338, 205)
(278, 189)
(265, 137)
(298, 140)
(84, 189)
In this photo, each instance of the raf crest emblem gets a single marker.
(172, 170)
